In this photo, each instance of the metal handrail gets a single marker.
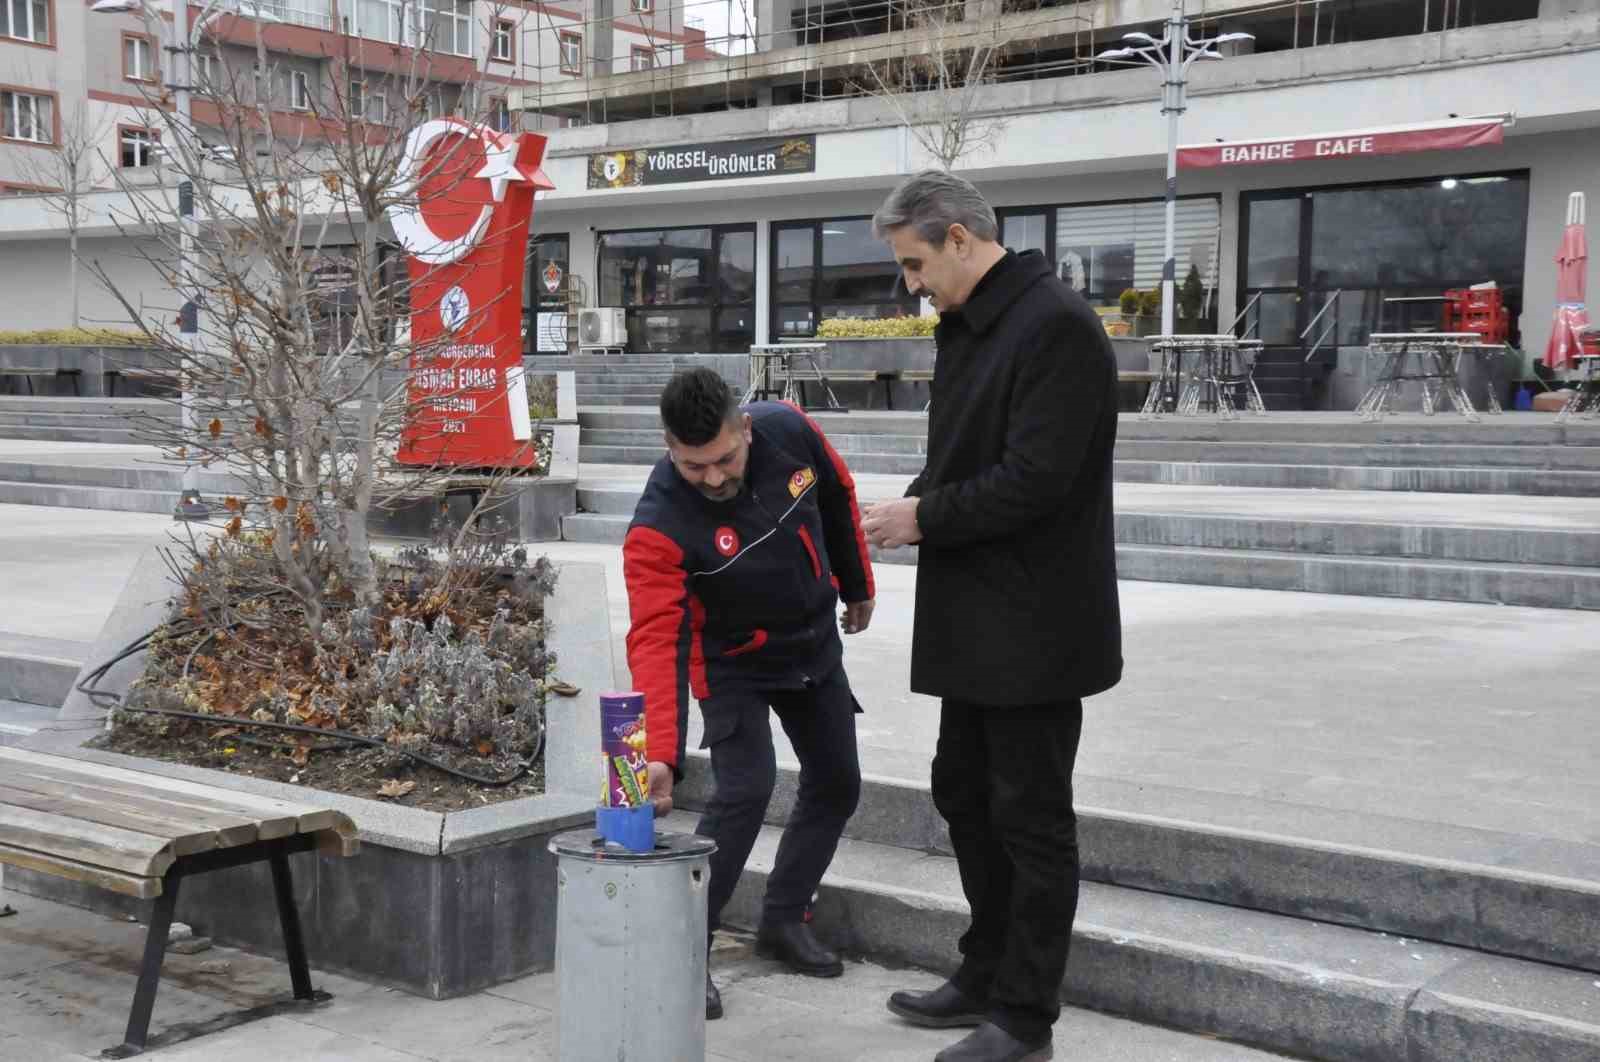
(1244, 312)
(1330, 304)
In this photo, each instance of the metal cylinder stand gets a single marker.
(631, 949)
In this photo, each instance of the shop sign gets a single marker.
(727, 161)
(1394, 140)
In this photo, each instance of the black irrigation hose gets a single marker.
(86, 687)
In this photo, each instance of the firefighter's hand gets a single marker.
(857, 616)
(660, 780)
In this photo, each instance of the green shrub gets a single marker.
(1128, 301)
(1192, 296)
(881, 328)
(1150, 303)
(73, 337)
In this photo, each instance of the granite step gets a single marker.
(1536, 899)
(1306, 987)
(39, 671)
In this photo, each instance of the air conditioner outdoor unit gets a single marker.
(603, 327)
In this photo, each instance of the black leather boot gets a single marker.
(713, 1000)
(946, 1007)
(794, 945)
(990, 1043)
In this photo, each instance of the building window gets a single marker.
(643, 7)
(499, 115)
(571, 53)
(446, 25)
(1101, 250)
(643, 58)
(26, 20)
(137, 61)
(205, 72)
(381, 20)
(504, 34)
(1375, 243)
(686, 290)
(300, 90)
(137, 147)
(833, 268)
(27, 116)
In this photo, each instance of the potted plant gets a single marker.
(1148, 323)
(1191, 303)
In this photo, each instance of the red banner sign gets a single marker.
(1398, 140)
(465, 232)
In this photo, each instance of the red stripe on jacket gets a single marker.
(665, 654)
(847, 481)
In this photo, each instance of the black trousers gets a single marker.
(821, 725)
(1002, 779)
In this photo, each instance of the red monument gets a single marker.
(464, 228)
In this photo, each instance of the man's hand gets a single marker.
(857, 616)
(660, 780)
(893, 523)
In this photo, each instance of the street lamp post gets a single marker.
(1172, 55)
(190, 505)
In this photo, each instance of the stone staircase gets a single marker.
(1353, 937)
(1505, 512)
(89, 420)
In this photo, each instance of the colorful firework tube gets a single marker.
(622, 748)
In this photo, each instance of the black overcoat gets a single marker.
(1017, 578)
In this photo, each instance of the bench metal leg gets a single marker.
(294, 943)
(155, 950)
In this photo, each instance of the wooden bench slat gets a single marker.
(855, 375)
(187, 837)
(307, 819)
(916, 375)
(217, 813)
(137, 886)
(187, 816)
(85, 842)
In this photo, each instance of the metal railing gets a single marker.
(1331, 304)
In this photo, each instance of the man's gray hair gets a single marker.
(930, 202)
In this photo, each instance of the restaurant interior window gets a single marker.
(686, 290)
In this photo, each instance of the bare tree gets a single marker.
(65, 175)
(307, 418)
(949, 53)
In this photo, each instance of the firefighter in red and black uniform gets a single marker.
(747, 537)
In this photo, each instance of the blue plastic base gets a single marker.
(632, 828)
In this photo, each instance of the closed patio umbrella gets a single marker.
(1571, 262)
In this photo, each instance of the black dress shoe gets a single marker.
(946, 1007)
(990, 1043)
(713, 1000)
(794, 945)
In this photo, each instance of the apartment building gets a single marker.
(718, 188)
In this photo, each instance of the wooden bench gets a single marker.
(867, 376)
(166, 376)
(29, 374)
(141, 834)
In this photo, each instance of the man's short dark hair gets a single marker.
(696, 404)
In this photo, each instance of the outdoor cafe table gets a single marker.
(1218, 364)
(1430, 358)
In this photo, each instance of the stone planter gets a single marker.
(92, 363)
(438, 904)
(884, 354)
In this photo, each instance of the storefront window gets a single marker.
(546, 296)
(1376, 243)
(686, 290)
(856, 277)
(1103, 250)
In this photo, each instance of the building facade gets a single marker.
(718, 189)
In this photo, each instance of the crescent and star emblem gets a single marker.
(727, 540)
(504, 163)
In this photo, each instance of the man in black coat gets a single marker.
(1016, 615)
